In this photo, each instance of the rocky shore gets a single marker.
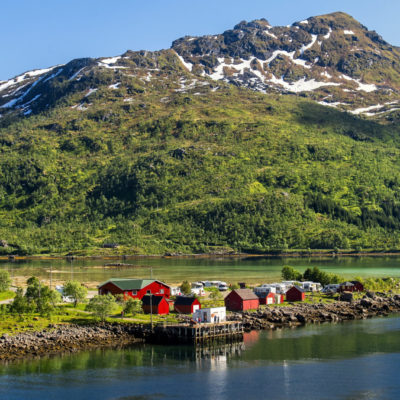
(372, 305)
(72, 338)
(69, 339)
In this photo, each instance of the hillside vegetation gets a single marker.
(159, 154)
(195, 171)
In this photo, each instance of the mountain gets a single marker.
(260, 139)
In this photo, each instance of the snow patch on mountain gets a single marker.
(187, 65)
(328, 35)
(366, 87)
(301, 85)
(20, 78)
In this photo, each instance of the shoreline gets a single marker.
(71, 338)
(294, 254)
(300, 314)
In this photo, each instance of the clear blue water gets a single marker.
(352, 360)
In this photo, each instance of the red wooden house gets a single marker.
(158, 304)
(186, 305)
(353, 286)
(268, 299)
(241, 300)
(135, 288)
(295, 294)
(359, 286)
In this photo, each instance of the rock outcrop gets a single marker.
(303, 313)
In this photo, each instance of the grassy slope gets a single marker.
(71, 180)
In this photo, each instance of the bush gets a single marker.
(186, 288)
(102, 306)
(75, 290)
(132, 306)
(290, 274)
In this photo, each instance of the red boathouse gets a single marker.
(295, 294)
(353, 286)
(135, 288)
(186, 305)
(268, 299)
(241, 300)
(158, 304)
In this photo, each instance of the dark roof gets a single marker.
(130, 284)
(184, 300)
(155, 301)
(245, 294)
(298, 288)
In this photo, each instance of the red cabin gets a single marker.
(186, 305)
(358, 285)
(241, 300)
(135, 288)
(353, 286)
(295, 294)
(158, 304)
(268, 299)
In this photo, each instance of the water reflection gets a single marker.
(351, 360)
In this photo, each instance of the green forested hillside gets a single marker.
(173, 163)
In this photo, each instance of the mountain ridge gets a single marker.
(332, 59)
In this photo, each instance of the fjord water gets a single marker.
(175, 270)
(352, 360)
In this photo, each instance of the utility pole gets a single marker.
(151, 311)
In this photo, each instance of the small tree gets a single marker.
(5, 281)
(132, 306)
(41, 296)
(290, 274)
(20, 304)
(75, 290)
(102, 306)
(186, 288)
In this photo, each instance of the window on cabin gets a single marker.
(134, 292)
(162, 291)
(148, 292)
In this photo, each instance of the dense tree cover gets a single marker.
(224, 170)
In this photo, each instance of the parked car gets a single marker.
(222, 287)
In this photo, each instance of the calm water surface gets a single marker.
(176, 270)
(353, 360)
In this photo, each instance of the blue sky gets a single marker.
(42, 33)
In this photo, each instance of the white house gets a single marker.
(210, 315)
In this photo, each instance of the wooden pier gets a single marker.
(198, 333)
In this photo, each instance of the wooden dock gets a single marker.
(198, 333)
